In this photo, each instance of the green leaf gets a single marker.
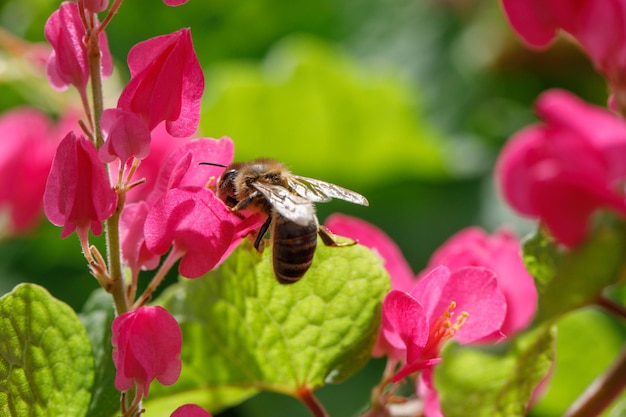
(588, 342)
(241, 329)
(97, 316)
(494, 385)
(569, 279)
(46, 365)
(310, 105)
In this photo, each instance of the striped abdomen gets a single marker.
(293, 248)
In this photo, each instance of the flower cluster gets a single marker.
(564, 170)
(134, 167)
(475, 289)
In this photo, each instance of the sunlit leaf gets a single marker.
(241, 329)
(46, 365)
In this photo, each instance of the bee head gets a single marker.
(226, 183)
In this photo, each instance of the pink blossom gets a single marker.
(125, 136)
(146, 345)
(465, 305)
(599, 26)
(27, 149)
(78, 195)
(198, 225)
(68, 63)
(501, 253)
(166, 83)
(174, 2)
(190, 410)
(96, 6)
(145, 231)
(562, 171)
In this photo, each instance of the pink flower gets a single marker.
(146, 345)
(465, 305)
(564, 170)
(166, 83)
(78, 195)
(180, 182)
(125, 136)
(68, 63)
(501, 253)
(198, 225)
(27, 148)
(599, 26)
(96, 6)
(190, 410)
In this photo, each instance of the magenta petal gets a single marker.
(374, 238)
(174, 2)
(125, 136)
(134, 250)
(429, 289)
(197, 222)
(190, 410)
(166, 83)
(219, 151)
(404, 324)
(475, 291)
(532, 20)
(78, 194)
(146, 345)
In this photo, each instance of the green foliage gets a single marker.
(491, 384)
(312, 106)
(245, 332)
(588, 341)
(46, 365)
(97, 316)
(569, 279)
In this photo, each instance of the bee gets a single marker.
(267, 186)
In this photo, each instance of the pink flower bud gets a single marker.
(125, 136)
(174, 2)
(166, 83)
(190, 410)
(78, 194)
(68, 63)
(146, 345)
(96, 6)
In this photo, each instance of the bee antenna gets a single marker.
(213, 164)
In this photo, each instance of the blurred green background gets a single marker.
(405, 101)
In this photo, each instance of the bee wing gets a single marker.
(293, 207)
(322, 191)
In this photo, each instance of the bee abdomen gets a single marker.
(294, 247)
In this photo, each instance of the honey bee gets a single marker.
(267, 186)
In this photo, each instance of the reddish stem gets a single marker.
(602, 392)
(306, 396)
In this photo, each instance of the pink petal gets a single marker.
(190, 410)
(404, 324)
(198, 222)
(125, 136)
(147, 343)
(532, 20)
(78, 194)
(219, 151)
(174, 2)
(166, 84)
(429, 289)
(134, 250)
(96, 6)
(475, 291)
(374, 238)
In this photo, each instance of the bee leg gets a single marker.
(329, 239)
(259, 245)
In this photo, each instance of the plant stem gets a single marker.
(611, 306)
(94, 54)
(306, 396)
(174, 255)
(602, 392)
